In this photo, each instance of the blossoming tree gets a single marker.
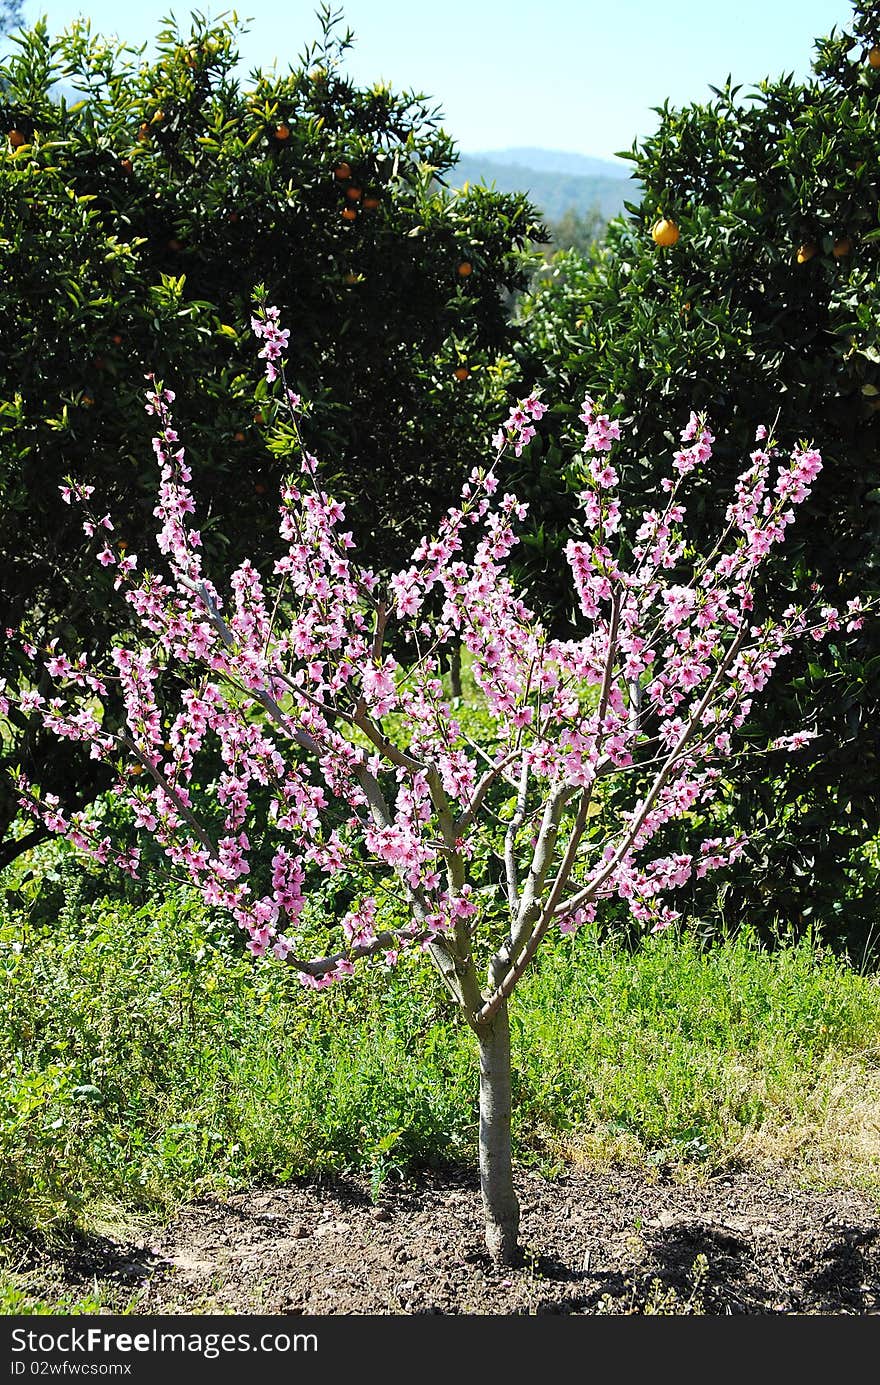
(470, 853)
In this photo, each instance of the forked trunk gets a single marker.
(496, 1170)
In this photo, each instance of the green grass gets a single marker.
(679, 1054)
(144, 1059)
(17, 1301)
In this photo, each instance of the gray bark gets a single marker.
(500, 1203)
(455, 671)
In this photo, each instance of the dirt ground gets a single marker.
(594, 1243)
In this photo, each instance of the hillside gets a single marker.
(556, 182)
(556, 161)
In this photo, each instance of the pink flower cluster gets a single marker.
(519, 429)
(274, 338)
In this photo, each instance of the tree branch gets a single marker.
(481, 790)
(439, 952)
(590, 890)
(167, 787)
(516, 823)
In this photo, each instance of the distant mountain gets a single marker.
(556, 182)
(556, 161)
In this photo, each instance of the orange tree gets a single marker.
(745, 281)
(141, 201)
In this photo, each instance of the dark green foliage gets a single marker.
(137, 214)
(731, 320)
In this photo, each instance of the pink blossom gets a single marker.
(340, 760)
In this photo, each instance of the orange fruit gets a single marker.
(342, 171)
(158, 118)
(258, 417)
(874, 57)
(841, 247)
(461, 372)
(143, 132)
(664, 232)
(87, 401)
(282, 132)
(349, 213)
(370, 203)
(116, 339)
(239, 436)
(806, 251)
(17, 139)
(465, 268)
(126, 165)
(353, 194)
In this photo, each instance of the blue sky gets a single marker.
(578, 75)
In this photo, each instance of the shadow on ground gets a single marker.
(612, 1243)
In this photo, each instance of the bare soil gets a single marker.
(614, 1242)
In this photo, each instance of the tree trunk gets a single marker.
(11, 848)
(496, 1172)
(455, 671)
